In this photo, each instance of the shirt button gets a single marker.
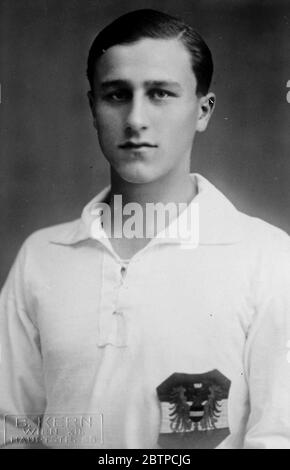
(123, 271)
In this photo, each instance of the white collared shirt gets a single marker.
(119, 354)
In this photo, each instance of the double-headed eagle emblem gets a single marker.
(195, 399)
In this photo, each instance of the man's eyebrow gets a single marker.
(163, 84)
(149, 83)
(113, 83)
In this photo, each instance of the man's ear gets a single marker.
(206, 107)
(92, 105)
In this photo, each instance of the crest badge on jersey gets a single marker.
(194, 410)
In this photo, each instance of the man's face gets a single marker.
(145, 108)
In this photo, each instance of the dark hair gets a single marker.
(154, 24)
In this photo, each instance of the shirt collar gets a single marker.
(219, 221)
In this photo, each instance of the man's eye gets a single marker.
(118, 96)
(160, 94)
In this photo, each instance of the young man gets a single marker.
(126, 339)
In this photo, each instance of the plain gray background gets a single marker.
(50, 162)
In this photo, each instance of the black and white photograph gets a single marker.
(144, 226)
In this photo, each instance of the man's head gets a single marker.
(153, 24)
(149, 94)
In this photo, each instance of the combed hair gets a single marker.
(147, 23)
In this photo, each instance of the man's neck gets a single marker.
(177, 190)
(170, 189)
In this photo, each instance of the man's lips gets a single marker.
(136, 145)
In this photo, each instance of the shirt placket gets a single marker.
(113, 328)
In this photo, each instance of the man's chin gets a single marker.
(136, 175)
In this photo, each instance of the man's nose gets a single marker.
(137, 117)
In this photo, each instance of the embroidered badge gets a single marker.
(192, 403)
